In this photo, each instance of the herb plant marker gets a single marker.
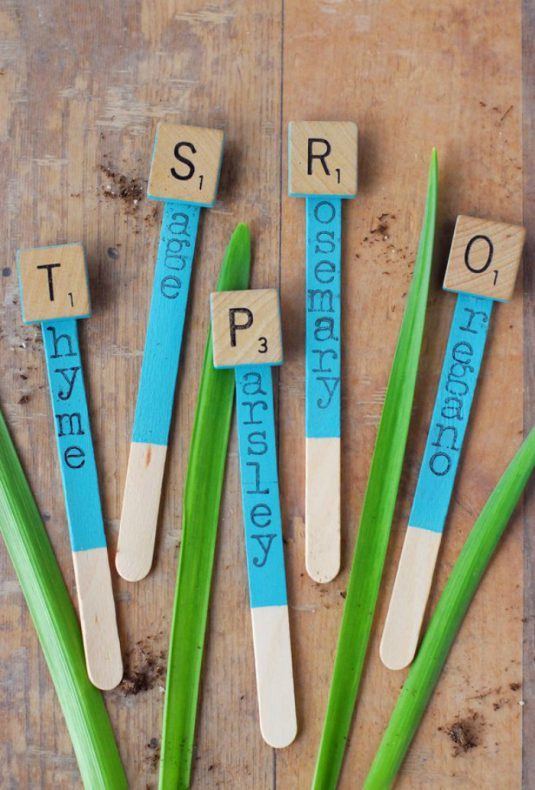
(55, 293)
(323, 169)
(377, 511)
(184, 174)
(482, 267)
(246, 329)
(448, 617)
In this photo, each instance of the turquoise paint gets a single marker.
(73, 434)
(323, 316)
(166, 323)
(260, 486)
(458, 380)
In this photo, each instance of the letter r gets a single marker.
(321, 156)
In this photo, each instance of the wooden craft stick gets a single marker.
(184, 174)
(247, 336)
(482, 267)
(323, 168)
(55, 293)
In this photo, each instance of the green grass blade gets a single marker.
(56, 624)
(377, 510)
(202, 498)
(448, 616)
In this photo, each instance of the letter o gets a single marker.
(435, 468)
(319, 207)
(489, 256)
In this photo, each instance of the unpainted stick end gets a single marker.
(141, 505)
(97, 617)
(322, 509)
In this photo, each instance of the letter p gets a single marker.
(234, 326)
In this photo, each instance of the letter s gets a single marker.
(188, 162)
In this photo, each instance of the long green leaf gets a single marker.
(448, 616)
(56, 624)
(202, 498)
(377, 510)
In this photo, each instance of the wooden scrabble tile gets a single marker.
(322, 158)
(53, 283)
(484, 257)
(185, 164)
(246, 327)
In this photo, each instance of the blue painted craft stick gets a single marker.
(479, 268)
(55, 293)
(260, 486)
(73, 434)
(323, 317)
(246, 330)
(184, 174)
(456, 389)
(323, 169)
(165, 329)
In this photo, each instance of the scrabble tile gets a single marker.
(484, 257)
(246, 327)
(185, 164)
(53, 283)
(322, 158)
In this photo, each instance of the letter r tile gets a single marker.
(323, 158)
(246, 327)
(185, 164)
(53, 283)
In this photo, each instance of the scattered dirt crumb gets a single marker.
(486, 693)
(151, 218)
(24, 399)
(515, 686)
(145, 669)
(153, 757)
(382, 227)
(464, 733)
(343, 593)
(113, 253)
(120, 187)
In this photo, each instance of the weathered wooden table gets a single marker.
(82, 86)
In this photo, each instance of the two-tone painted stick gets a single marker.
(323, 169)
(482, 267)
(184, 174)
(55, 293)
(246, 330)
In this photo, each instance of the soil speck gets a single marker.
(153, 757)
(145, 669)
(464, 733)
(130, 191)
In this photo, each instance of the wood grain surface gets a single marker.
(82, 87)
